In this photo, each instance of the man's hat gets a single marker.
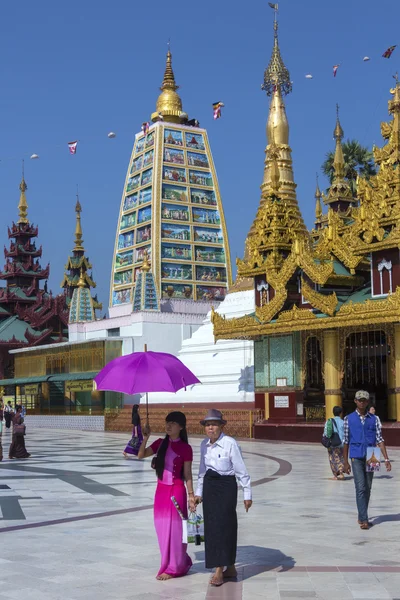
(213, 415)
(362, 395)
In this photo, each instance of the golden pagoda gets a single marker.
(326, 318)
(171, 213)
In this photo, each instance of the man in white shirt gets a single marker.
(221, 464)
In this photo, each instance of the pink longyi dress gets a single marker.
(174, 558)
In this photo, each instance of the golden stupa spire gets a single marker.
(23, 205)
(145, 268)
(78, 229)
(340, 190)
(169, 103)
(394, 109)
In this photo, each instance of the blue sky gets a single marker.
(79, 69)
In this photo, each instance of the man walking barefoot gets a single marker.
(362, 430)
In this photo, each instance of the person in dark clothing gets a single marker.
(8, 414)
(137, 436)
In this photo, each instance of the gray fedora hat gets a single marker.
(213, 415)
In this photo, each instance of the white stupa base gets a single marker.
(225, 368)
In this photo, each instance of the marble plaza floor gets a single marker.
(76, 524)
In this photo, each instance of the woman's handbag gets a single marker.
(334, 441)
(19, 429)
(134, 442)
(195, 528)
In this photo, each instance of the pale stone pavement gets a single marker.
(77, 525)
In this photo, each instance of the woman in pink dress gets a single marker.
(173, 465)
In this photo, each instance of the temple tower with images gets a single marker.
(171, 210)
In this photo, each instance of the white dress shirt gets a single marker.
(224, 457)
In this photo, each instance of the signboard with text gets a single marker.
(83, 385)
(281, 401)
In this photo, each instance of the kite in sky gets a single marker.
(274, 6)
(366, 58)
(335, 68)
(308, 76)
(217, 109)
(111, 135)
(145, 127)
(388, 53)
(72, 147)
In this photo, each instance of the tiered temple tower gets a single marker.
(29, 315)
(171, 209)
(77, 276)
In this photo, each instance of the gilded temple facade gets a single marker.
(171, 216)
(326, 318)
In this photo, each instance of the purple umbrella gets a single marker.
(145, 372)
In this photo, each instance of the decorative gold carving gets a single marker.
(326, 303)
(268, 311)
(296, 314)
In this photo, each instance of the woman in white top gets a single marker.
(221, 463)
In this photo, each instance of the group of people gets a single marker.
(221, 465)
(14, 417)
(357, 432)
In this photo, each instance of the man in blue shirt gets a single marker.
(361, 431)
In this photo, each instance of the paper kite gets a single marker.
(145, 127)
(388, 53)
(34, 156)
(335, 68)
(309, 76)
(72, 147)
(366, 58)
(217, 109)
(111, 135)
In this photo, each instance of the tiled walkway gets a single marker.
(77, 525)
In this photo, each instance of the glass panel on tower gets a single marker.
(139, 145)
(195, 140)
(124, 259)
(202, 215)
(147, 176)
(121, 296)
(144, 214)
(197, 160)
(175, 212)
(174, 156)
(133, 183)
(148, 158)
(208, 254)
(172, 208)
(128, 221)
(123, 277)
(176, 290)
(211, 236)
(173, 137)
(210, 292)
(174, 174)
(170, 192)
(203, 197)
(176, 271)
(130, 202)
(200, 178)
(145, 195)
(137, 164)
(125, 240)
(180, 251)
(143, 234)
(175, 232)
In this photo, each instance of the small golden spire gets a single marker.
(169, 103)
(338, 134)
(81, 282)
(318, 207)
(23, 205)
(145, 268)
(340, 189)
(78, 229)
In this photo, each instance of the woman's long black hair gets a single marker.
(176, 417)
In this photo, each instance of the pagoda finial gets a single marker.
(318, 207)
(23, 205)
(81, 282)
(276, 75)
(78, 229)
(146, 265)
(340, 189)
(169, 103)
(338, 163)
